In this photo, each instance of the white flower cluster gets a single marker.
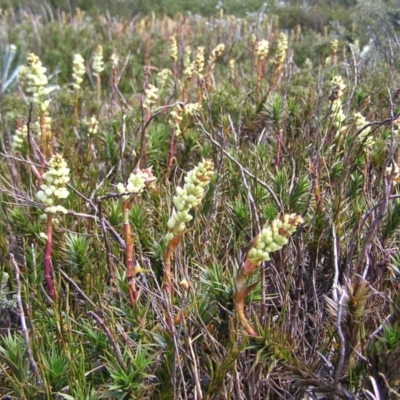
(176, 118)
(179, 112)
(232, 68)
(281, 49)
(45, 123)
(199, 62)
(192, 108)
(151, 97)
(33, 77)
(186, 57)
(162, 77)
(98, 62)
(114, 60)
(217, 52)
(393, 172)
(188, 71)
(137, 181)
(21, 132)
(308, 64)
(334, 48)
(337, 82)
(78, 70)
(338, 115)
(262, 48)
(173, 48)
(92, 126)
(53, 187)
(364, 138)
(273, 237)
(189, 197)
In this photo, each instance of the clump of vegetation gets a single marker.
(199, 207)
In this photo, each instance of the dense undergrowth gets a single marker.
(107, 293)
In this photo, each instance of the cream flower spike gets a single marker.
(53, 189)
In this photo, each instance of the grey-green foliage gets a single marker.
(9, 69)
(7, 299)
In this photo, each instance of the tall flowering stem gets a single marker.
(337, 114)
(78, 70)
(51, 192)
(334, 50)
(173, 53)
(33, 78)
(92, 128)
(176, 118)
(367, 142)
(188, 71)
(271, 238)
(279, 58)
(198, 65)
(177, 115)
(186, 199)
(137, 182)
(216, 53)
(98, 68)
(129, 252)
(261, 51)
(150, 99)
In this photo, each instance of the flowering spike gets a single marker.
(54, 188)
(78, 70)
(272, 238)
(186, 199)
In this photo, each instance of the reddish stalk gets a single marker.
(168, 256)
(129, 254)
(260, 71)
(167, 280)
(43, 145)
(171, 153)
(114, 85)
(241, 292)
(47, 258)
(75, 107)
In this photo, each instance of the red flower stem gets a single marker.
(171, 153)
(76, 111)
(47, 258)
(129, 254)
(98, 84)
(167, 278)
(241, 292)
